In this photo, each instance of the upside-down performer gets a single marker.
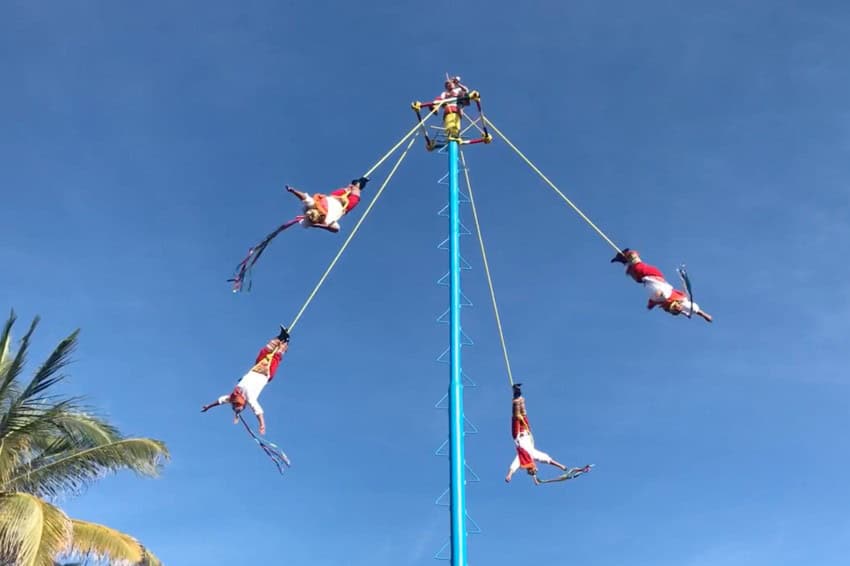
(247, 391)
(527, 454)
(320, 211)
(325, 211)
(661, 293)
(452, 110)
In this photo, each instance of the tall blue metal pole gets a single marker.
(456, 452)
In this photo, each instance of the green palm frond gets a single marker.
(71, 470)
(6, 339)
(33, 420)
(50, 446)
(32, 532)
(85, 429)
(46, 376)
(13, 368)
(31, 402)
(27, 420)
(65, 420)
(30, 432)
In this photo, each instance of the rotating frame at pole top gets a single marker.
(457, 124)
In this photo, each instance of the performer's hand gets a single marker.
(262, 428)
(508, 478)
(206, 408)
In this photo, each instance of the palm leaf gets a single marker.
(86, 429)
(30, 431)
(27, 419)
(71, 470)
(149, 558)
(32, 532)
(13, 369)
(46, 376)
(35, 430)
(64, 420)
(30, 401)
(97, 542)
(6, 339)
(31, 414)
(50, 445)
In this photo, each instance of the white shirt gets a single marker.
(251, 384)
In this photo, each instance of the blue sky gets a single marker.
(145, 148)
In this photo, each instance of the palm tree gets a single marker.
(50, 446)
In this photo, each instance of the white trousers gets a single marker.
(526, 442)
(659, 290)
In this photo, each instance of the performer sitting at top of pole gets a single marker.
(452, 112)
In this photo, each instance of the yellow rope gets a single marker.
(486, 268)
(551, 184)
(401, 141)
(353, 232)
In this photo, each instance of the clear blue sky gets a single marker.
(144, 147)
